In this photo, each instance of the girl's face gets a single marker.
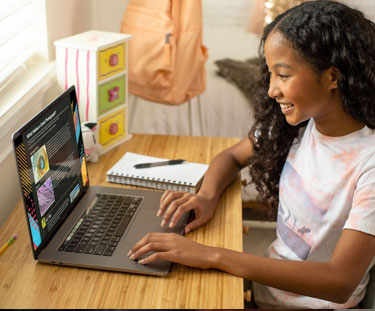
(300, 92)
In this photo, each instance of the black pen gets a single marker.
(152, 164)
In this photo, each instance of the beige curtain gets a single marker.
(265, 11)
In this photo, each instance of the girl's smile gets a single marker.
(286, 108)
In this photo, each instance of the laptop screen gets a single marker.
(52, 167)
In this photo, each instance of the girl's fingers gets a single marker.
(165, 194)
(148, 238)
(173, 208)
(166, 200)
(159, 243)
(194, 224)
(171, 247)
(182, 209)
(149, 247)
(153, 257)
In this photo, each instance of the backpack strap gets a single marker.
(175, 13)
(175, 16)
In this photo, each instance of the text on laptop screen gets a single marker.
(52, 165)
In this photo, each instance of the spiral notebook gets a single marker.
(181, 177)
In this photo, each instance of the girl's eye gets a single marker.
(281, 76)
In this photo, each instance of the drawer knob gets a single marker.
(113, 128)
(113, 60)
(113, 94)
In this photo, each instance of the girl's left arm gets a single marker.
(334, 280)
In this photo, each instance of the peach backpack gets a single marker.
(166, 55)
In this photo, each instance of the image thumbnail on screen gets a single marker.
(45, 196)
(40, 164)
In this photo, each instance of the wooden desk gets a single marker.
(23, 281)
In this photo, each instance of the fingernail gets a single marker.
(187, 230)
(158, 214)
(163, 223)
(141, 261)
(129, 253)
(132, 257)
(171, 225)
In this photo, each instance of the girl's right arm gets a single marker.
(222, 170)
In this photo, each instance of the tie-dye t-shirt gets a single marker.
(327, 185)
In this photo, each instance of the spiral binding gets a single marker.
(147, 182)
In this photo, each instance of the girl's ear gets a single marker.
(334, 75)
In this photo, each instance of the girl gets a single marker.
(311, 156)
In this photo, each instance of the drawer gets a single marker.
(112, 127)
(111, 61)
(111, 94)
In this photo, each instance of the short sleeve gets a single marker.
(362, 214)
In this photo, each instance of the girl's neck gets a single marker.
(339, 126)
(336, 122)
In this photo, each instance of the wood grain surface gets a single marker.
(24, 283)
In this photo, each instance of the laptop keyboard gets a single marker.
(101, 226)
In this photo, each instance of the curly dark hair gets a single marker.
(324, 34)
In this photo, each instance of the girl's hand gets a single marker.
(172, 247)
(174, 204)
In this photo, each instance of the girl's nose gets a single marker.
(273, 89)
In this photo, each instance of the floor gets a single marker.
(261, 234)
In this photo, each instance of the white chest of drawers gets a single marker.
(96, 63)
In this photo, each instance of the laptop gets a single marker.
(70, 222)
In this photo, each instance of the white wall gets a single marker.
(63, 18)
(107, 14)
(366, 6)
(69, 17)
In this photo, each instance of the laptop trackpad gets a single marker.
(146, 221)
